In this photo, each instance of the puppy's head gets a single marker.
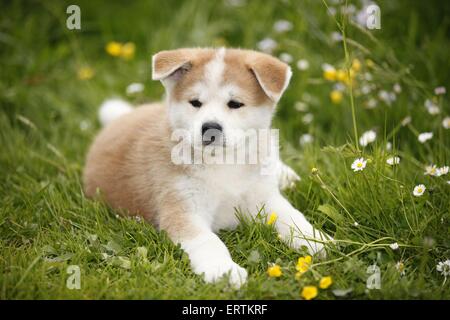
(216, 94)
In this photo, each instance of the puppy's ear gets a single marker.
(272, 75)
(170, 64)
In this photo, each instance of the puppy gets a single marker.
(212, 97)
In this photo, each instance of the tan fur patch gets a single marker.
(129, 162)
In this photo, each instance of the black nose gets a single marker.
(211, 132)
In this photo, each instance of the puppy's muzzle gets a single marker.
(212, 133)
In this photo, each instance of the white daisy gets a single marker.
(393, 161)
(267, 45)
(387, 97)
(439, 91)
(444, 267)
(308, 118)
(286, 57)
(301, 106)
(443, 170)
(84, 125)
(306, 138)
(397, 88)
(389, 146)
(134, 88)
(431, 107)
(359, 164)
(394, 246)
(372, 103)
(336, 36)
(425, 136)
(367, 137)
(302, 64)
(432, 170)
(419, 190)
(281, 26)
(446, 123)
(406, 121)
(400, 266)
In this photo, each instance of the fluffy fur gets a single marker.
(130, 165)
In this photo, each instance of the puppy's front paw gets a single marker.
(215, 270)
(287, 177)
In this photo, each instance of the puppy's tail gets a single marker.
(112, 109)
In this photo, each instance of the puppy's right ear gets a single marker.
(170, 64)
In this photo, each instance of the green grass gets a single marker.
(48, 119)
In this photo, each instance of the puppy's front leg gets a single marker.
(207, 253)
(293, 226)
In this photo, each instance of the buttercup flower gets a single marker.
(367, 137)
(444, 267)
(274, 271)
(336, 96)
(325, 282)
(85, 73)
(272, 218)
(128, 50)
(356, 65)
(425, 136)
(303, 264)
(359, 164)
(114, 48)
(309, 292)
(393, 161)
(419, 190)
(329, 72)
(446, 123)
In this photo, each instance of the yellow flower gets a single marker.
(314, 170)
(356, 65)
(85, 73)
(336, 96)
(341, 75)
(272, 218)
(303, 264)
(309, 292)
(370, 63)
(274, 271)
(330, 74)
(325, 282)
(128, 50)
(114, 48)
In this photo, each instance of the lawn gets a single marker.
(378, 82)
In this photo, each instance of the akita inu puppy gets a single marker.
(212, 97)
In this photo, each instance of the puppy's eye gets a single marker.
(234, 104)
(195, 103)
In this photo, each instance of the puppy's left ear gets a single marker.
(272, 75)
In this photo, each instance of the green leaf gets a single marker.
(331, 212)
